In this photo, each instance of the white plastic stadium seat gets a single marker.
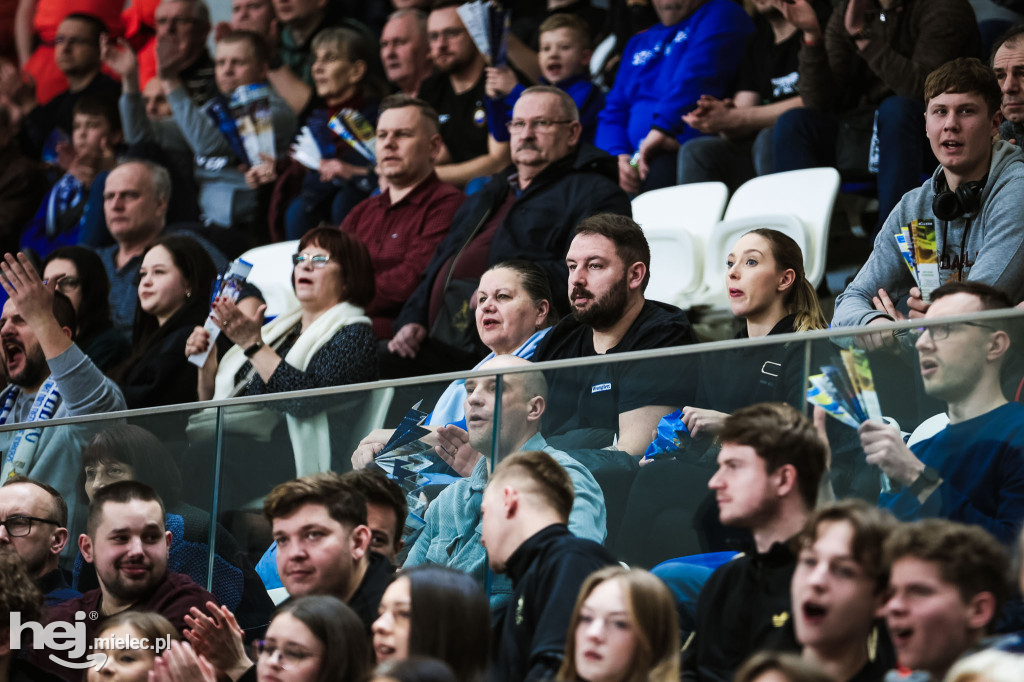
(272, 273)
(808, 194)
(676, 221)
(928, 428)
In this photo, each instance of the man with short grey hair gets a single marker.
(405, 51)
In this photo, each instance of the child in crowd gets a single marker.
(126, 663)
(93, 150)
(564, 60)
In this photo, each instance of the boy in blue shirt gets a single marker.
(564, 60)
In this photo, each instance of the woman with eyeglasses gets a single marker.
(310, 639)
(327, 341)
(173, 295)
(80, 276)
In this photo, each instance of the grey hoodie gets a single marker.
(993, 249)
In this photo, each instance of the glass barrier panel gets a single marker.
(80, 456)
(638, 435)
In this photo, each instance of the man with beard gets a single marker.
(127, 543)
(527, 211)
(49, 378)
(456, 91)
(35, 519)
(597, 405)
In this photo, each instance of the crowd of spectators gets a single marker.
(487, 226)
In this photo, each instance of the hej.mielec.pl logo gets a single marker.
(61, 636)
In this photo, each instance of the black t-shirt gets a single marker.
(772, 70)
(589, 399)
(462, 116)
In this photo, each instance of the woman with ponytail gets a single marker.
(669, 513)
(767, 288)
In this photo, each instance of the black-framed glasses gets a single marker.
(541, 125)
(20, 526)
(287, 657)
(941, 332)
(316, 261)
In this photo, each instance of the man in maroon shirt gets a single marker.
(127, 542)
(403, 225)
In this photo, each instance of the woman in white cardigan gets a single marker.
(328, 341)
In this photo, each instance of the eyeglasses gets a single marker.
(941, 332)
(542, 125)
(317, 261)
(286, 658)
(20, 526)
(66, 284)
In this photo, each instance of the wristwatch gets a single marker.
(926, 479)
(253, 349)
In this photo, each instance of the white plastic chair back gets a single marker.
(676, 221)
(928, 428)
(272, 273)
(809, 194)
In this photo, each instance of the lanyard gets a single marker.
(44, 407)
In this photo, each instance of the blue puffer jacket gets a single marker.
(664, 71)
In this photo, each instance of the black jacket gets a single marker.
(744, 607)
(538, 227)
(546, 571)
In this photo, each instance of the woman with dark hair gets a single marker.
(327, 341)
(513, 313)
(174, 292)
(80, 276)
(317, 638)
(436, 612)
(623, 629)
(127, 452)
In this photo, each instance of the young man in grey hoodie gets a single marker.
(977, 213)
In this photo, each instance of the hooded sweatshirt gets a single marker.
(984, 247)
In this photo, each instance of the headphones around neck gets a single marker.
(964, 200)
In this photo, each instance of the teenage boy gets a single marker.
(564, 61)
(769, 468)
(947, 582)
(975, 198)
(838, 588)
